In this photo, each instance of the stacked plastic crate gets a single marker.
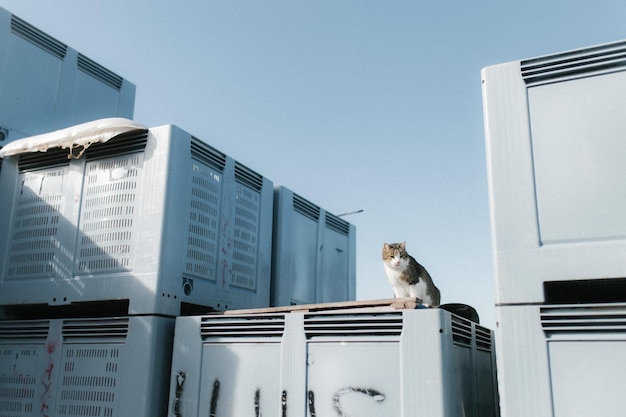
(113, 231)
(556, 156)
(347, 361)
(314, 253)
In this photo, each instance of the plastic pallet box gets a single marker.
(555, 159)
(152, 217)
(365, 363)
(47, 85)
(564, 360)
(555, 151)
(314, 255)
(110, 367)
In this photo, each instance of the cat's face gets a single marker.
(395, 255)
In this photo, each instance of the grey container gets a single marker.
(46, 85)
(112, 367)
(153, 218)
(314, 253)
(361, 362)
(556, 160)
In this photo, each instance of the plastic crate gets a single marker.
(360, 362)
(110, 367)
(47, 85)
(555, 159)
(314, 256)
(155, 217)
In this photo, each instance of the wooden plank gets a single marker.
(386, 304)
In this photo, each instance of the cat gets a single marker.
(407, 277)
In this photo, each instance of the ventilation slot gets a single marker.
(24, 330)
(207, 155)
(248, 177)
(35, 160)
(116, 328)
(590, 291)
(461, 331)
(335, 223)
(571, 64)
(583, 319)
(99, 72)
(37, 37)
(125, 143)
(306, 208)
(483, 338)
(242, 326)
(353, 325)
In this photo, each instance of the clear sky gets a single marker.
(352, 104)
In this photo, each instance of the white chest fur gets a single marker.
(400, 287)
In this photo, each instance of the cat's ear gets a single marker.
(386, 246)
(403, 245)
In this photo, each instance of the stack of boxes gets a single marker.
(556, 156)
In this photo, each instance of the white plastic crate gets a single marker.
(362, 362)
(563, 360)
(109, 367)
(47, 85)
(314, 255)
(155, 217)
(556, 156)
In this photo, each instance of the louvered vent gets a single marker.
(203, 211)
(483, 338)
(207, 155)
(125, 143)
(99, 72)
(335, 223)
(461, 331)
(584, 319)
(306, 208)
(357, 325)
(246, 176)
(603, 58)
(245, 245)
(38, 247)
(114, 328)
(35, 330)
(36, 160)
(242, 326)
(37, 37)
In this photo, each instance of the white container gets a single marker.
(556, 165)
(314, 255)
(155, 217)
(362, 362)
(85, 367)
(562, 360)
(46, 85)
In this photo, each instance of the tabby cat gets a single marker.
(407, 277)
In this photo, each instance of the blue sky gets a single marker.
(353, 104)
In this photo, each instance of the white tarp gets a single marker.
(81, 135)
